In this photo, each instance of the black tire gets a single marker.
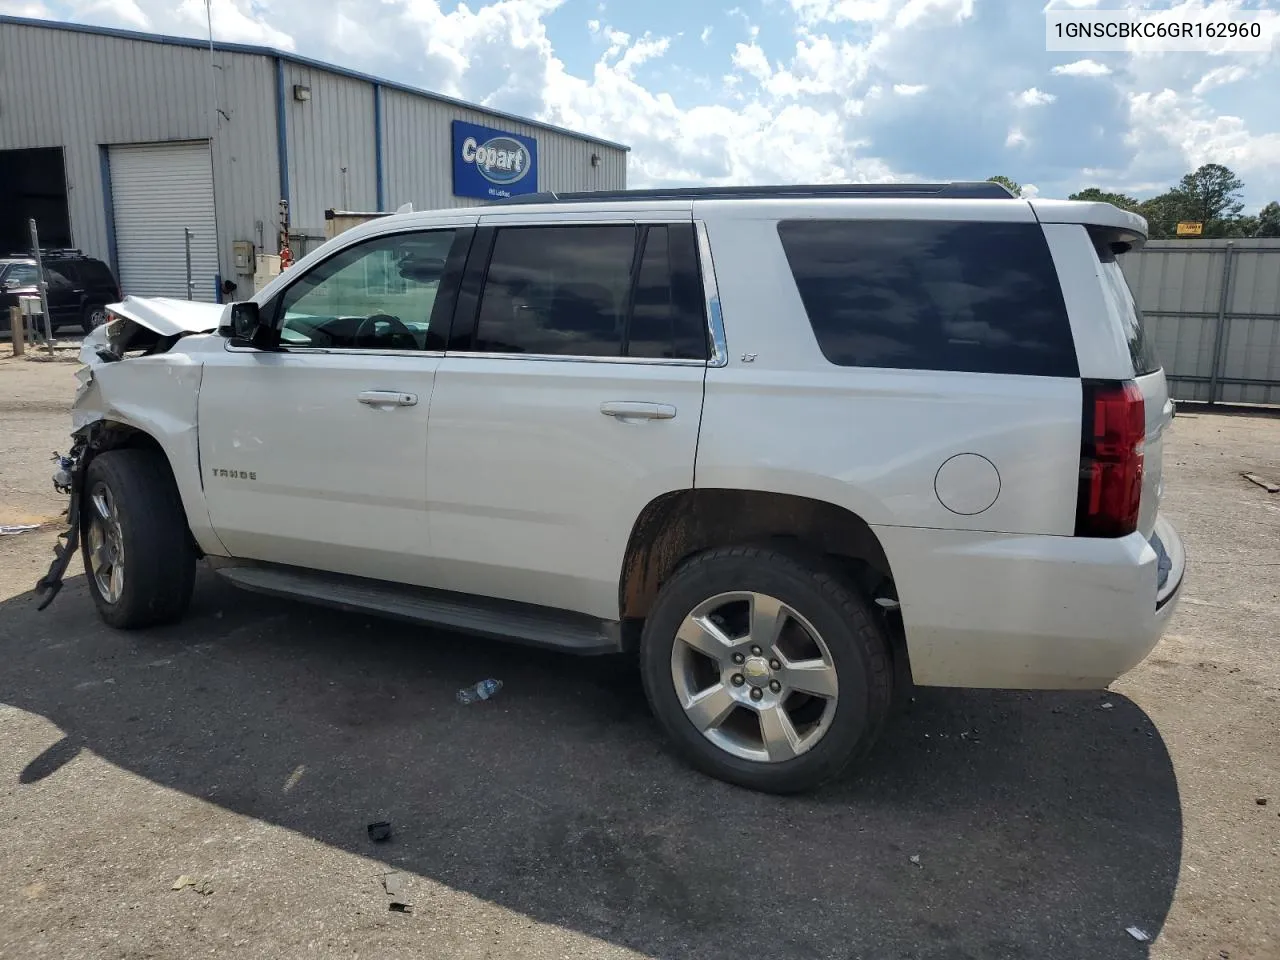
(857, 644)
(159, 565)
(87, 324)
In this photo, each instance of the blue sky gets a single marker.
(777, 91)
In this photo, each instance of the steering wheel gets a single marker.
(400, 338)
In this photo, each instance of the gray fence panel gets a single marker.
(1213, 348)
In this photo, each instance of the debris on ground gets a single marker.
(1261, 801)
(481, 691)
(393, 883)
(294, 778)
(1107, 705)
(380, 831)
(1268, 485)
(203, 887)
(915, 858)
(13, 529)
(396, 907)
(1138, 934)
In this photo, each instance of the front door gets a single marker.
(569, 398)
(315, 455)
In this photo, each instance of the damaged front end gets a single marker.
(68, 478)
(120, 395)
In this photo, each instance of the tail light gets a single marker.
(1113, 431)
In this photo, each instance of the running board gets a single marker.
(499, 619)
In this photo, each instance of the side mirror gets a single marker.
(240, 321)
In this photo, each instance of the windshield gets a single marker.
(20, 275)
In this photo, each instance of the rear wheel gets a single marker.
(138, 556)
(92, 317)
(766, 670)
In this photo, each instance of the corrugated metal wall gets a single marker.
(330, 133)
(418, 158)
(81, 91)
(1213, 346)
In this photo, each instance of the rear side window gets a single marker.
(592, 291)
(666, 312)
(96, 274)
(932, 295)
(1142, 348)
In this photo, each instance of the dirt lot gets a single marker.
(249, 746)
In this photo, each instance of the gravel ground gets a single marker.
(248, 747)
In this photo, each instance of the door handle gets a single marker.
(387, 398)
(629, 410)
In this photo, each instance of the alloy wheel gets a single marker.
(106, 544)
(754, 676)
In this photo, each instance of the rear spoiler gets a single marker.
(1122, 227)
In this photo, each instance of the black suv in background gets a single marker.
(79, 287)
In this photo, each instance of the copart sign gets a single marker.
(492, 164)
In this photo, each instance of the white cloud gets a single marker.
(1218, 77)
(1030, 191)
(909, 89)
(646, 48)
(705, 35)
(831, 11)
(1033, 98)
(25, 8)
(593, 26)
(233, 21)
(1170, 124)
(1015, 138)
(937, 11)
(1082, 68)
(749, 58)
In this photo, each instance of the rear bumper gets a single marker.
(1031, 612)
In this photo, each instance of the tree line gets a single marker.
(1209, 195)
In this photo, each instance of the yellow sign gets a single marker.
(1190, 229)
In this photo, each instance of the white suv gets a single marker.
(790, 445)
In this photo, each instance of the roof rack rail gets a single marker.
(957, 190)
(45, 252)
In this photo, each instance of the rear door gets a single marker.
(569, 398)
(63, 293)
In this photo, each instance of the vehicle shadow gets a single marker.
(983, 825)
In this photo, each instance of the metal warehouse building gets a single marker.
(118, 142)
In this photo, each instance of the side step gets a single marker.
(499, 619)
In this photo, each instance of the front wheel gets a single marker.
(764, 669)
(138, 556)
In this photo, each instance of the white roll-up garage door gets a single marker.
(157, 191)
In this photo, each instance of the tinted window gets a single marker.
(377, 295)
(96, 274)
(932, 295)
(557, 290)
(1142, 348)
(57, 278)
(667, 320)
